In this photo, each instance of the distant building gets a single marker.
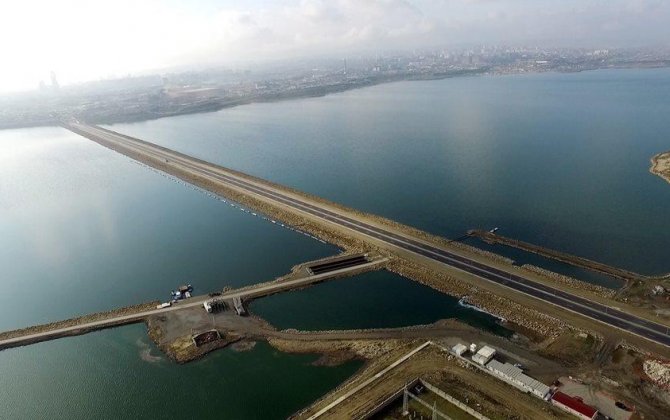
(574, 406)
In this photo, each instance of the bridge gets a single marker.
(352, 224)
(237, 296)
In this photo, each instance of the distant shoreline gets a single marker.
(660, 165)
(219, 104)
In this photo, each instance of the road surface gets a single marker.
(393, 240)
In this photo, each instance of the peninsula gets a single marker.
(660, 165)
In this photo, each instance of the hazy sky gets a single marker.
(89, 39)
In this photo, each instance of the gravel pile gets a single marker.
(658, 371)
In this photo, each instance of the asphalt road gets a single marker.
(607, 315)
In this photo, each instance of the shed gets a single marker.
(574, 406)
(484, 355)
(459, 349)
(515, 376)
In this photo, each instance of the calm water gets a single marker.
(117, 374)
(556, 159)
(560, 160)
(360, 303)
(83, 229)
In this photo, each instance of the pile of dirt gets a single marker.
(184, 350)
(658, 371)
(571, 348)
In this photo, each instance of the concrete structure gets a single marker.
(260, 290)
(574, 406)
(367, 382)
(515, 376)
(484, 354)
(459, 349)
(207, 306)
(239, 307)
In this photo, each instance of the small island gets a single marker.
(660, 165)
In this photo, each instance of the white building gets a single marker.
(484, 354)
(459, 349)
(515, 376)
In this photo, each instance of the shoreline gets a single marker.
(660, 165)
(219, 104)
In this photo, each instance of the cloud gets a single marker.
(80, 39)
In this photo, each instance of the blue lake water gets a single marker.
(557, 159)
(83, 229)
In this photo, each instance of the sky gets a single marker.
(91, 39)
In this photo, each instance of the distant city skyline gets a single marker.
(82, 40)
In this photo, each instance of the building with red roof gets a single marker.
(573, 406)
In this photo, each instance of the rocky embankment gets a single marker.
(658, 371)
(72, 322)
(660, 165)
(542, 325)
(572, 282)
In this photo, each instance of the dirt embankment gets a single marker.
(183, 349)
(336, 352)
(173, 333)
(660, 165)
(72, 322)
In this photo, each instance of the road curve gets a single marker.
(612, 317)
